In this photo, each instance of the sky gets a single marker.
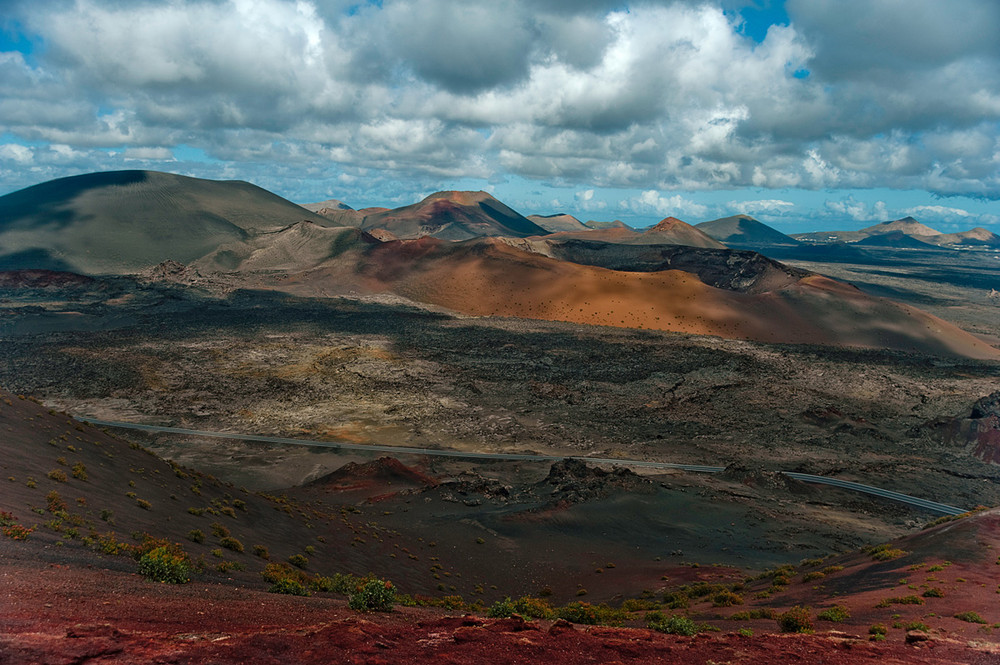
(806, 114)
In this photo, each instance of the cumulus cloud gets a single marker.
(659, 96)
(939, 213)
(856, 210)
(652, 202)
(762, 206)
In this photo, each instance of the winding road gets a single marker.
(924, 504)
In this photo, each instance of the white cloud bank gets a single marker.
(661, 96)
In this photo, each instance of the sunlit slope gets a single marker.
(489, 277)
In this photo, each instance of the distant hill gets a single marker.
(896, 240)
(329, 204)
(616, 224)
(902, 234)
(744, 230)
(977, 237)
(673, 231)
(125, 221)
(670, 231)
(906, 225)
(454, 215)
(558, 222)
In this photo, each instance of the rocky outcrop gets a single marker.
(759, 477)
(979, 431)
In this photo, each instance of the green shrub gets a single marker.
(231, 543)
(79, 471)
(530, 607)
(885, 552)
(261, 551)
(11, 529)
(639, 605)
(814, 575)
(673, 625)
(901, 600)
(501, 609)
(933, 592)
(726, 599)
(163, 565)
(837, 613)
(374, 596)
(796, 620)
(219, 530)
(289, 586)
(917, 625)
(878, 629)
(196, 536)
(298, 561)
(54, 502)
(759, 613)
(591, 615)
(971, 617)
(145, 505)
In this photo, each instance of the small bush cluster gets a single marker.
(639, 605)
(11, 529)
(884, 552)
(759, 613)
(54, 502)
(901, 600)
(673, 625)
(591, 615)
(530, 607)
(726, 599)
(796, 620)
(285, 579)
(837, 613)
(970, 617)
(878, 631)
(933, 592)
(231, 543)
(165, 564)
(374, 596)
(502, 609)
(196, 536)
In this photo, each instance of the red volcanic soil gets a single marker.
(55, 613)
(489, 277)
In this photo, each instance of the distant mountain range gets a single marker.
(905, 233)
(465, 251)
